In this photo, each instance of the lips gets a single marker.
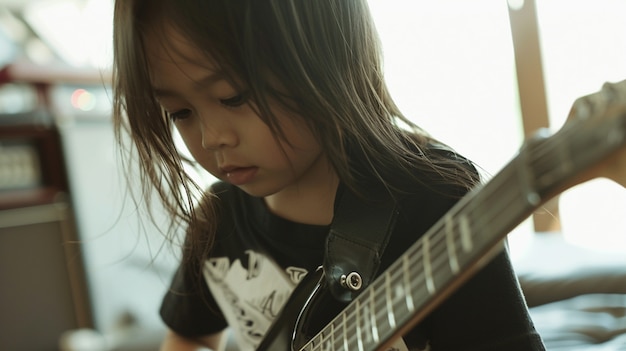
(239, 175)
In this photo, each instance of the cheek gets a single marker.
(207, 161)
(303, 143)
(193, 142)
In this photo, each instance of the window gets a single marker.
(584, 45)
(450, 66)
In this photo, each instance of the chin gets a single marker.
(256, 191)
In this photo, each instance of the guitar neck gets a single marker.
(458, 245)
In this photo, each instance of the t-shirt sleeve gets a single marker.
(188, 308)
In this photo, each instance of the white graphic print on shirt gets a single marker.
(255, 293)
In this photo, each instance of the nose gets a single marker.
(218, 134)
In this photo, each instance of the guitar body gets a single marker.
(310, 308)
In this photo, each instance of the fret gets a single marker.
(334, 332)
(466, 233)
(434, 261)
(308, 347)
(523, 169)
(367, 330)
(353, 324)
(407, 284)
(378, 302)
(452, 258)
(553, 166)
(430, 284)
(388, 301)
(316, 341)
(345, 333)
(398, 291)
(373, 309)
(359, 338)
(505, 197)
(330, 342)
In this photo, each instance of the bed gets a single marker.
(577, 297)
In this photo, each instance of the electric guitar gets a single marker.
(591, 144)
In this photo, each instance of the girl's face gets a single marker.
(222, 131)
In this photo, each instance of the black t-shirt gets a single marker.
(258, 258)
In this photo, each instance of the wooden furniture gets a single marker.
(43, 290)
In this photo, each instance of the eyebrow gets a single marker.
(207, 81)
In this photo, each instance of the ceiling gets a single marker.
(22, 3)
(72, 32)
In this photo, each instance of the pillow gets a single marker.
(583, 323)
(550, 269)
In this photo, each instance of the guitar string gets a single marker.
(534, 157)
(441, 261)
(395, 302)
(543, 156)
(596, 105)
(556, 165)
(437, 247)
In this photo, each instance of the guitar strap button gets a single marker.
(352, 281)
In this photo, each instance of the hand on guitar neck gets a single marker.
(606, 106)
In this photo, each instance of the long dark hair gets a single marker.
(319, 59)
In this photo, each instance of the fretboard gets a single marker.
(457, 245)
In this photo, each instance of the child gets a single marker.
(285, 103)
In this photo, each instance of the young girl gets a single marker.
(284, 102)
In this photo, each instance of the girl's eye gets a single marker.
(182, 114)
(236, 100)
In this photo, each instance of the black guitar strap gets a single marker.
(358, 237)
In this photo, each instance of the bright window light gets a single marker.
(584, 45)
(79, 32)
(450, 66)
